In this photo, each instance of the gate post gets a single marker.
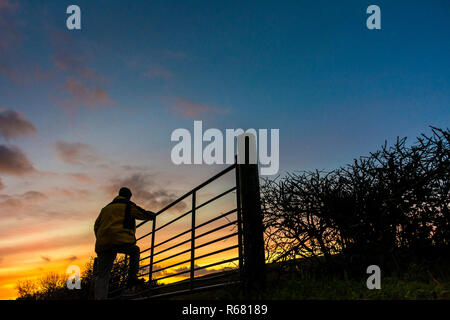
(253, 273)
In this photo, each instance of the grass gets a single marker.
(392, 288)
(417, 283)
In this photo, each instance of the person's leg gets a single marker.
(104, 265)
(133, 252)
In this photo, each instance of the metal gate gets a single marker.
(150, 257)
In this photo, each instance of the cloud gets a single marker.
(11, 204)
(174, 54)
(145, 192)
(72, 258)
(159, 72)
(9, 34)
(79, 177)
(19, 201)
(13, 124)
(25, 72)
(2, 185)
(47, 244)
(12, 74)
(81, 95)
(57, 204)
(13, 161)
(73, 64)
(12, 64)
(27, 203)
(75, 153)
(8, 5)
(131, 167)
(189, 109)
(34, 196)
(67, 59)
(82, 88)
(74, 194)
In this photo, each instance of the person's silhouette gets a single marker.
(115, 230)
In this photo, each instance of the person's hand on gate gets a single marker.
(151, 215)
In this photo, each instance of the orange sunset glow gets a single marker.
(34, 246)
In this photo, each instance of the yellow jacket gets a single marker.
(116, 224)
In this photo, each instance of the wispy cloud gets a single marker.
(13, 124)
(34, 196)
(13, 161)
(12, 63)
(27, 203)
(8, 5)
(29, 197)
(9, 34)
(159, 72)
(80, 177)
(76, 153)
(72, 193)
(25, 72)
(145, 191)
(55, 204)
(70, 60)
(83, 87)
(72, 258)
(81, 95)
(172, 54)
(47, 244)
(72, 64)
(189, 109)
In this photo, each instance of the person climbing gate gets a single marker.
(115, 230)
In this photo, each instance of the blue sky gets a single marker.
(109, 95)
(334, 88)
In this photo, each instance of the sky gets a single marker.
(83, 112)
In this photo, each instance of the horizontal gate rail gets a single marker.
(200, 268)
(194, 290)
(204, 278)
